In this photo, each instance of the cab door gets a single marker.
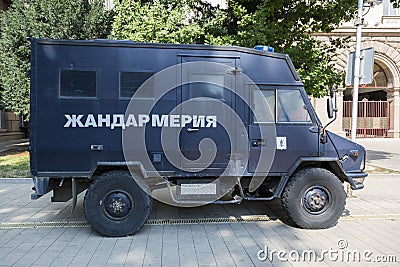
(205, 93)
(295, 136)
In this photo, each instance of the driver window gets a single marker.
(264, 106)
(291, 107)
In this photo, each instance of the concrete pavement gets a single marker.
(41, 233)
(371, 227)
(382, 152)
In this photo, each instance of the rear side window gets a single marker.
(77, 83)
(131, 81)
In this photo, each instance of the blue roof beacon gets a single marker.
(265, 48)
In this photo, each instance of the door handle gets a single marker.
(258, 142)
(96, 147)
(190, 130)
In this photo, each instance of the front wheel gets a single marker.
(314, 198)
(115, 205)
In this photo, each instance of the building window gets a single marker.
(76, 83)
(2, 119)
(389, 10)
(131, 81)
(379, 79)
(109, 4)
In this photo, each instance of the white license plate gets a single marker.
(198, 189)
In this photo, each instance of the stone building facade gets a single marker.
(379, 102)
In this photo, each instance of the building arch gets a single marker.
(385, 55)
(379, 106)
(390, 67)
(387, 59)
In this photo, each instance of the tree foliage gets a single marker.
(66, 19)
(396, 3)
(156, 21)
(287, 25)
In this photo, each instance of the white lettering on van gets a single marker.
(198, 121)
(118, 121)
(157, 122)
(115, 121)
(73, 120)
(101, 120)
(90, 121)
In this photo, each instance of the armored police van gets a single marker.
(187, 125)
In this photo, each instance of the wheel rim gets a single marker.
(316, 200)
(117, 204)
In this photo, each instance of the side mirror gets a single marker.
(330, 107)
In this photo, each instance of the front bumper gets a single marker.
(356, 179)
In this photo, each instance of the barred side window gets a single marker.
(77, 83)
(131, 81)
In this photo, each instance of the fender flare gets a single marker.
(334, 164)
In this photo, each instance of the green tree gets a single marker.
(288, 26)
(66, 19)
(156, 21)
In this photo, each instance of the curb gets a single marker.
(389, 169)
(192, 221)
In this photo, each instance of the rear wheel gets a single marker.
(115, 205)
(314, 198)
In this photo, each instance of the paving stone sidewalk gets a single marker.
(382, 152)
(373, 225)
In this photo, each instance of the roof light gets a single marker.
(265, 48)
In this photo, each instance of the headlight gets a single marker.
(354, 154)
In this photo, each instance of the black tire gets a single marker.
(314, 198)
(115, 205)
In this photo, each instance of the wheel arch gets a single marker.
(104, 166)
(330, 164)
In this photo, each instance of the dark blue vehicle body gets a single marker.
(76, 153)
